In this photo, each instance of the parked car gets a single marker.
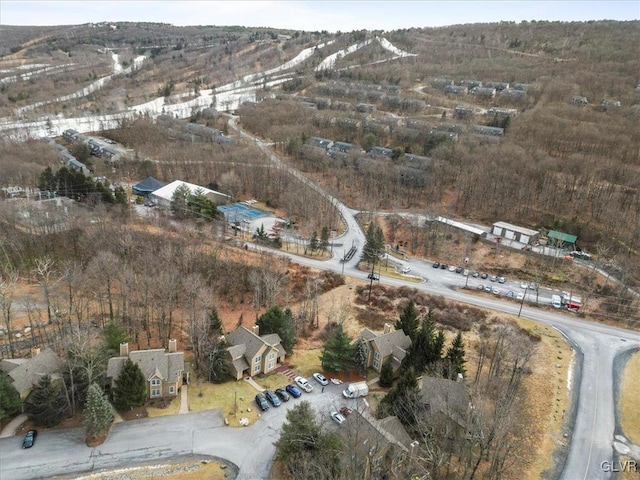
(444, 266)
(282, 395)
(510, 294)
(373, 276)
(487, 288)
(273, 398)
(262, 403)
(495, 291)
(339, 419)
(406, 269)
(303, 383)
(524, 285)
(475, 274)
(493, 278)
(29, 439)
(452, 268)
(321, 379)
(465, 272)
(293, 391)
(346, 411)
(483, 276)
(519, 296)
(580, 254)
(436, 265)
(481, 287)
(502, 280)
(459, 269)
(532, 286)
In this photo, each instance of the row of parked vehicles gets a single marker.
(275, 398)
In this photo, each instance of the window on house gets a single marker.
(155, 392)
(256, 368)
(366, 350)
(258, 359)
(376, 364)
(271, 356)
(155, 382)
(172, 389)
(270, 366)
(376, 355)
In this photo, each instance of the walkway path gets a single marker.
(10, 428)
(250, 381)
(184, 400)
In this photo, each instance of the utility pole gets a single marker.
(522, 301)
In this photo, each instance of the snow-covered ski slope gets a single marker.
(224, 98)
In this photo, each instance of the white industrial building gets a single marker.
(163, 196)
(516, 233)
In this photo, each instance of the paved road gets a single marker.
(63, 452)
(594, 423)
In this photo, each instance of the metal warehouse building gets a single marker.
(513, 232)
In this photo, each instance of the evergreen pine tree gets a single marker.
(313, 242)
(10, 401)
(454, 361)
(360, 357)
(275, 320)
(98, 413)
(130, 388)
(215, 324)
(337, 354)
(386, 374)
(46, 403)
(408, 321)
(324, 239)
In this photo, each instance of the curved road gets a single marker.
(251, 448)
(591, 448)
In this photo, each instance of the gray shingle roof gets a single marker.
(253, 342)
(28, 373)
(167, 366)
(385, 342)
(368, 334)
(447, 397)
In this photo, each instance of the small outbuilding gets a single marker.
(562, 240)
(515, 233)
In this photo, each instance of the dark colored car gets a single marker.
(459, 269)
(273, 398)
(293, 391)
(262, 403)
(444, 266)
(373, 276)
(436, 265)
(29, 439)
(282, 395)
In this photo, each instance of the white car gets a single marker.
(452, 268)
(519, 296)
(321, 379)
(524, 285)
(303, 384)
(338, 417)
(406, 269)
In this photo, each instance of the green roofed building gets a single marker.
(562, 239)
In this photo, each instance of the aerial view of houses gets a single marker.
(302, 240)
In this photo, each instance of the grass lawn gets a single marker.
(171, 409)
(205, 396)
(273, 381)
(306, 362)
(629, 394)
(547, 391)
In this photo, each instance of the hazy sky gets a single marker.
(312, 15)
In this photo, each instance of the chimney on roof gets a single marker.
(35, 351)
(173, 346)
(256, 329)
(124, 349)
(387, 328)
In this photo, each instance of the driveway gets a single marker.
(251, 449)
